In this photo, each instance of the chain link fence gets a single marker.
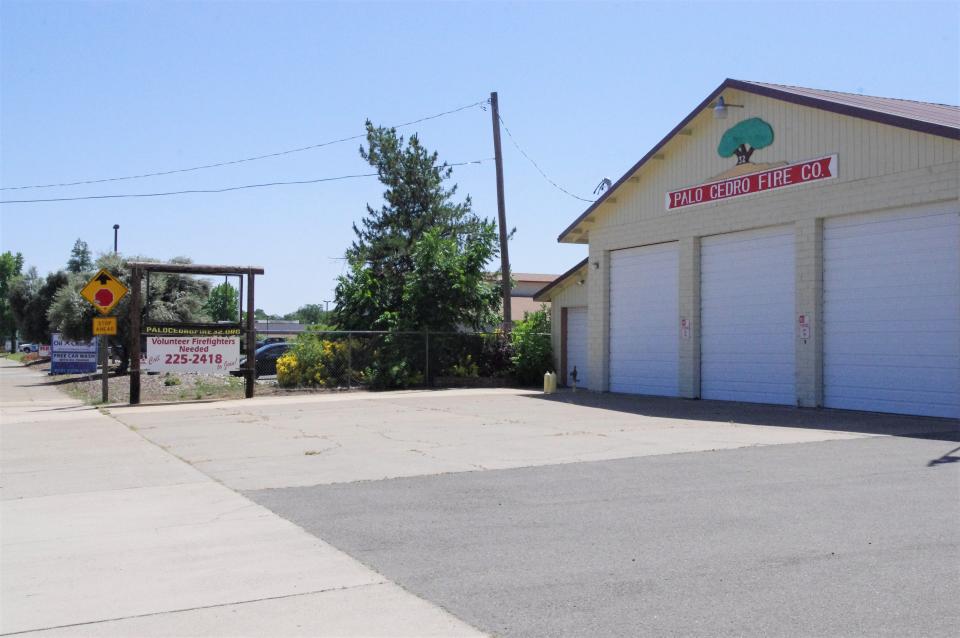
(382, 359)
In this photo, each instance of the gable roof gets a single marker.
(942, 120)
(539, 295)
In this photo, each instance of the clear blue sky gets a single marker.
(93, 90)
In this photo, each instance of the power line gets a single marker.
(245, 159)
(537, 166)
(216, 190)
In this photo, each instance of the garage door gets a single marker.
(747, 350)
(577, 345)
(891, 305)
(644, 315)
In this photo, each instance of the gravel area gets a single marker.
(156, 388)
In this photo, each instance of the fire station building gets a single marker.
(779, 245)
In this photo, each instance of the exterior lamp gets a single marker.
(720, 108)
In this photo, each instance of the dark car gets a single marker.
(267, 356)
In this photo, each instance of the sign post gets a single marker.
(104, 292)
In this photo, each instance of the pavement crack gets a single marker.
(199, 607)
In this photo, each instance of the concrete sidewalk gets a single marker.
(106, 534)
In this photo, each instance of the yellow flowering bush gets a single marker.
(288, 370)
(314, 362)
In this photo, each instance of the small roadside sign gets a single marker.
(105, 326)
(104, 291)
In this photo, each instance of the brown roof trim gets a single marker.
(538, 296)
(825, 104)
(767, 91)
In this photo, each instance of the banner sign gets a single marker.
(44, 351)
(193, 329)
(194, 353)
(72, 357)
(773, 179)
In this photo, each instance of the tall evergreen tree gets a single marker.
(80, 260)
(388, 264)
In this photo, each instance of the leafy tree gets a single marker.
(448, 288)
(744, 138)
(30, 298)
(532, 349)
(80, 260)
(172, 298)
(404, 249)
(311, 314)
(223, 303)
(10, 268)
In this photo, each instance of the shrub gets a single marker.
(288, 372)
(532, 348)
(465, 368)
(314, 362)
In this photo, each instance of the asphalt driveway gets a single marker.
(837, 538)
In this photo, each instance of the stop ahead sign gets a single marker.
(104, 291)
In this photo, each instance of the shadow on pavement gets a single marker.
(946, 458)
(762, 414)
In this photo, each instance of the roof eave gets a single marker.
(540, 295)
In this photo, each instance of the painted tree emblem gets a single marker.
(744, 138)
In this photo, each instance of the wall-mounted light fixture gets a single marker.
(596, 265)
(720, 108)
(580, 282)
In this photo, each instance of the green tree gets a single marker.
(172, 298)
(532, 347)
(448, 288)
(311, 314)
(80, 260)
(30, 298)
(223, 303)
(11, 266)
(744, 138)
(403, 249)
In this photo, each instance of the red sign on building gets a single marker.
(772, 179)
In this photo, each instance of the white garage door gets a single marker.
(577, 345)
(747, 350)
(644, 315)
(891, 305)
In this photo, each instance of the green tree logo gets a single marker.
(744, 138)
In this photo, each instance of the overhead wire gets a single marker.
(537, 166)
(219, 190)
(245, 159)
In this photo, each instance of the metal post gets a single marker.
(426, 374)
(349, 360)
(116, 227)
(501, 215)
(251, 339)
(105, 383)
(135, 276)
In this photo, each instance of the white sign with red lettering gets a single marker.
(773, 179)
(192, 354)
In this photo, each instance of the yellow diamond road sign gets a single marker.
(104, 291)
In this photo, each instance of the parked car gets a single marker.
(29, 347)
(267, 356)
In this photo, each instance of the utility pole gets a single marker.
(116, 227)
(501, 214)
